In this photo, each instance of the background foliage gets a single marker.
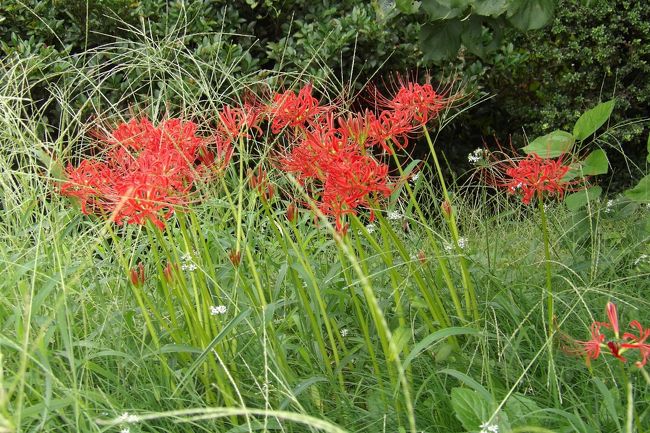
(539, 80)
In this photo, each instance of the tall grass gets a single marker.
(320, 332)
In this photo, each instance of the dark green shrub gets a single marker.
(588, 54)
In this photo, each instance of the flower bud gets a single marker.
(137, 275)
(235, 257)
(292, 213)
(445, 207)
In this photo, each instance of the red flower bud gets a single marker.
(446, 209)
(168, 272)
(137, 275)
(292, 212)
(235, 257)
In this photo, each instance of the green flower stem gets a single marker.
(442, 261)
(547, 257)
(552, 377)
(470, 294)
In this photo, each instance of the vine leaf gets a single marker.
(440, 40)
(530, 14)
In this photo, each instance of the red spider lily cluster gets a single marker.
(534, 176)
(331, 155)
(146, 173)
(615, 345)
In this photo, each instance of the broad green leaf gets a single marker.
(593, 119)
(595, 163)
(551, 145)
(470, 408)
(522, 411)
(433, 338)
(530, 14)
(641, 192)
(437, 11)
(407, 6)
(578, 199)
(441, 40)
(475, 39)
(468, 381)
(454, 4)
(492, 8)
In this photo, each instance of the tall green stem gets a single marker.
(547, 259)
(470, 295)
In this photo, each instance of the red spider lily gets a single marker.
(420, 102)
(616, 346)
(534, 176)
(352, 182)
(291, 110)
(236, 122)
(137, 275)
(148, 171)
(592, 347)
(335, 168)
(320, 148)
(393, 126)
(612, 315)
(357, 126)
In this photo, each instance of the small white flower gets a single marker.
(487, 427)
(415, 177)
(190, 267)
(643, 258)
(476, 156)
(609, 205)
(370, 228)
(125, 430)
(449, 247)
(344, 332)
(516, 187)
(218, 309)
(395, 215)
(127, 417)
(186, 257)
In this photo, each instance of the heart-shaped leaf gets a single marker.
(595, 163)
(578, 199)
(551, 145)
(593, 119)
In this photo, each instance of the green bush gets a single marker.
(588, 54)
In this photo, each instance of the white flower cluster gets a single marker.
(462, 244)
(370, 228)
(642, 259)
(344, 332)
(127, 417)
(516, 187)
(477, 156)
(187, 263)
(488, 427)
(609, 206)
(415, 177)
(395, 215)
(218, 309)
